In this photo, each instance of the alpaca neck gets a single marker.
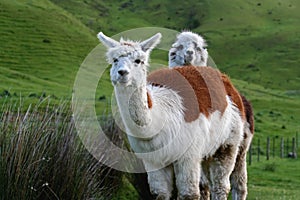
(133, 106)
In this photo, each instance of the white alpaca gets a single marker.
(188, 49)
(183, 114)
(191, 49)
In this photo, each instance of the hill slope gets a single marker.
(254, 41)
(44, 42)
(41, 48)
(257, 42)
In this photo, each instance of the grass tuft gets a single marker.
(271, 167)
(41, 157)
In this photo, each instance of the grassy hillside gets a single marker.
(256, 41)
(43, 43)
(41, 48)
(252, 40)
(275, 179)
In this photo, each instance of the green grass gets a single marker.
(42, 46)
(127, 191)
(256, 43)
(274, 179)
(43, 43)
(273, 109)
(261, 33)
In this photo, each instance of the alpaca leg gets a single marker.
(239, 175)
(204, 190)
(239, 179)
(187, 173)
(204, 184)
(161, 183)
(221, 167)
(204, 181)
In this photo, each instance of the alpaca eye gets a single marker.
(115, 60)
(173, 54)
(198, 49)
(137, 61)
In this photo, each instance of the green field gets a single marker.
(274, 179)
(44, 42)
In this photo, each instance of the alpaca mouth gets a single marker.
(120, 81)
(123, 80)
(188, 60)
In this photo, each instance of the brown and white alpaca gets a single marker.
(191, 49)
(183, 115)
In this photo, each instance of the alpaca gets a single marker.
(175, 118)
(191, 49)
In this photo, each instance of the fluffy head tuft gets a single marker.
(129, 59)
(186, 36)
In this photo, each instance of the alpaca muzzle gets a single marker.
(188, 60)
(123, 72)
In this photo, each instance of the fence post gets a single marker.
(268, 148)
(282, 148)
(294, 148)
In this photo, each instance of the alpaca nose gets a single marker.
(189, 52)
(123, 72)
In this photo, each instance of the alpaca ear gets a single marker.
(150, 43)
(107, 41)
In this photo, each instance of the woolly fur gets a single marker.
(179, 57)
(161, 135)
(188, 49)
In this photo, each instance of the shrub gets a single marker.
(41, 157)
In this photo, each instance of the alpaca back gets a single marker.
(203, 89)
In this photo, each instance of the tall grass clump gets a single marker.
(41, 157)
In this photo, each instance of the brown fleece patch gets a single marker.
(149, 100)
(248, 113)
(208, 88)
(223, 152)
(174, 80)
(233, 94)
(202, 86)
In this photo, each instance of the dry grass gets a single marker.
(41, 157)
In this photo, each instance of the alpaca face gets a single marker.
(129, 64)
(189, 49)
(129, 59)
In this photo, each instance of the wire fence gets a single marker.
(272, 147)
